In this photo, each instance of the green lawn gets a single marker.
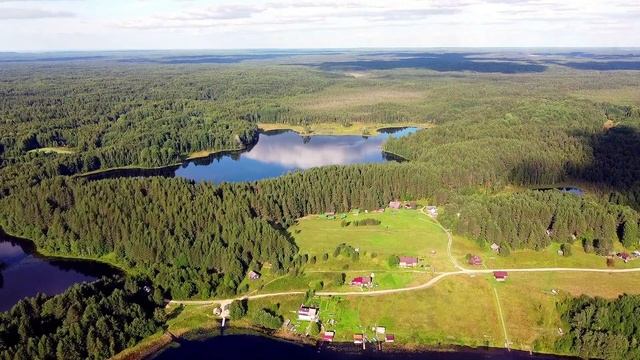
(531, 258)
(401, 233)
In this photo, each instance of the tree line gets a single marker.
(87, 321)
(601, 328)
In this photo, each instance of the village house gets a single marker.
(408, 261)
(475, 260)
(253, 275)
(495, 247)
(395, 204)
(362, 281)
(500, 275)
(328, 336)
(358, 338)
(307, 313)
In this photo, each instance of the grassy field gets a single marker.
(530, 258)
(400, 233)
(331, 128)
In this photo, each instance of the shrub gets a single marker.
(365, 222)
(339, 279)
(264, 318)
(566, 249)
(237, 309)
(325, 257)
(393, 261)
(344, 223)
(314, 328)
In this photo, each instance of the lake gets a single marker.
(257, 347)
(276, 153)
(26, 273)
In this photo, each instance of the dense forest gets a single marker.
(87, 321)
(602, 328)
(533, 219)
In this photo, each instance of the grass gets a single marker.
(332, 128)
(527, 258)
(400, 233)
(55, 149)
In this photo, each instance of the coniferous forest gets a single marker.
(495, 148)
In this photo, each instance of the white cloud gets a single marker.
(20, 13)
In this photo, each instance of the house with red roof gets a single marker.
(500, 275)
(408, 261)
(362, 281)
(475, 260)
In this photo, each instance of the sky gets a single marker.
(50, 25)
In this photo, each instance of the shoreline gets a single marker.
(160, 342)
(203, 154)
(30, 247)
(299, 129)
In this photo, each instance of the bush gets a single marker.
(237, 309)
(314, 328)
(264, 318)
(339, 279)
(393, 261)
(566, 249)
(316, 285)
(504, 250)
(325, 257)
(344, 223)
(365, 222)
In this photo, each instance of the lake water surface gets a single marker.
(276, 153)
(26, 273)
(256, 347)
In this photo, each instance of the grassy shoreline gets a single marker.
(336, 129)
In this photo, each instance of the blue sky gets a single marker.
(40, 25)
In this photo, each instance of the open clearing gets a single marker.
(401, 233)
(57, 150)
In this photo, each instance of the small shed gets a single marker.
(410, 205)
(389, 338)
(358, 338)
(380, 329)
(475, 260)
(432, 210)
(254, 275)
(395, 204)
(328, 336)
(495, 247)
(408, 261)
(500, 275)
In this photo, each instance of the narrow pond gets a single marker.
(25, 273)
(256, 347)
(276, 153)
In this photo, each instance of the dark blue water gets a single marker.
(24, 273)
(277, 153)
(257, 347)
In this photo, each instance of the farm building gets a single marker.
(380, 329)
(395, 204)
(495, 247)
(500, 275)
(328, 336)
(253, 275)
(408, 261)
(363, 281)
(307, 313)
(475, 260)
(389, 338)
(358, 338)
